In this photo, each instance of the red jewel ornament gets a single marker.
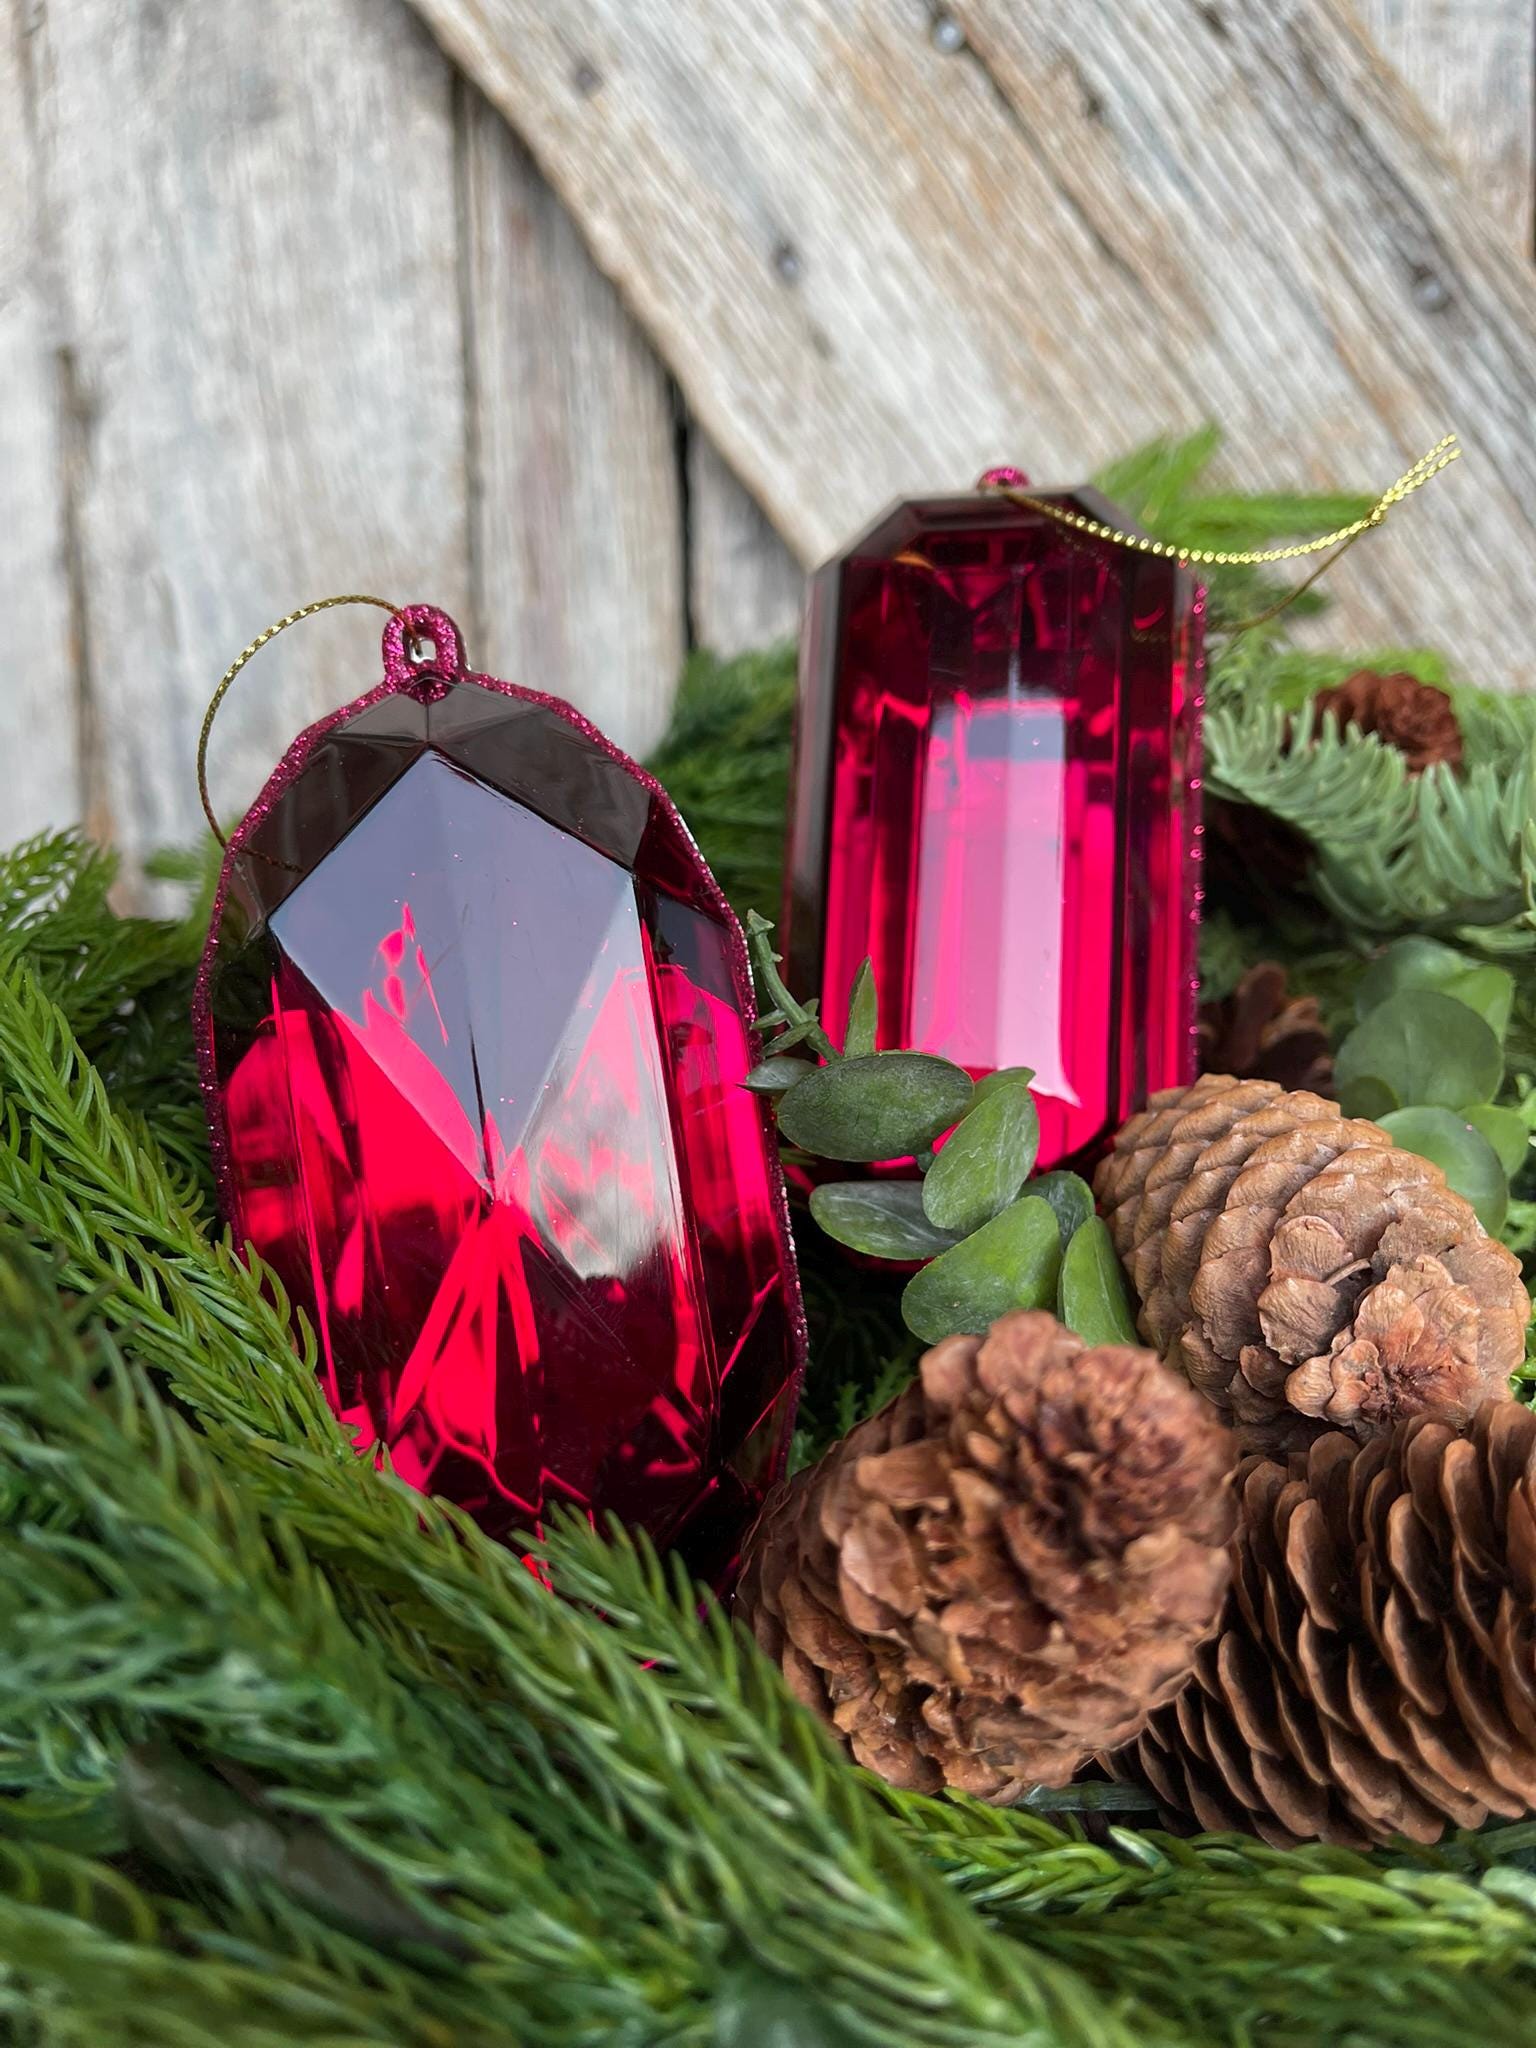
(472, 1018)
(997, 799)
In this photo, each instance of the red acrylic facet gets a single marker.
(473, 1019)
(997, 800)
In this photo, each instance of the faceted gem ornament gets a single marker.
(997, 799)
(473, 1017)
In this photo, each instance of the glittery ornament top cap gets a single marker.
(423, 650)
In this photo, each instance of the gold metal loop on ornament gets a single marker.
(305, 611)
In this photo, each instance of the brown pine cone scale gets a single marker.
(1262, 1032)
(1006, 1569)
(1416, 718)
(1375, 1674)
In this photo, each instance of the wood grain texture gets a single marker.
(577, 525)
(1473, 65)
(38, 691)
(745, 587)
(255, 214)
(875, 266)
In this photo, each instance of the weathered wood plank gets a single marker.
(874, 265)
(577, 524)
(745, 587)
(1473, 64)
(256, 217)
(38, 699)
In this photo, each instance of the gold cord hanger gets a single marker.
(305, 611)
(1332, 544)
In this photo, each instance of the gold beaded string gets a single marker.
(305, 611)
(1330, 545)
(1428, 465)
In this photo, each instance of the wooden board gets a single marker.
(40, 698)
(577, 524)
(745, 587)
(1473, 65)
(875, 264)
(255, 220)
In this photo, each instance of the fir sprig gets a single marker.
(204, 1598)
(725, 764)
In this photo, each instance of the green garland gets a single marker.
(288, 1755)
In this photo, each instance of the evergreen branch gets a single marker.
(1460, 863)
(173, 1605)
(79, 1179)
(88, 1957)
(725, 763)
(1411, 1949)
(54, 905)
(468, 1608)
(123, 984)
(1340, 789)
(1439, 852)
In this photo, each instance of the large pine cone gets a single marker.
(1300, 1270)
(1376, 1671)
(1007, 1568)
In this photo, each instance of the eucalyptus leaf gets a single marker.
(1093, 1298)
(1505, 1131)
(792, 1034)
(1412, 962)
(985, 1161)
(1423, 963)
(863, 1013)
(776, 1073)
(1011, 1262)
(1367, 1097)
(1489, 990)
(885, 1105)
(1002, 1077)
(1464, 1156)
(1069, 1195)
(1427, 1047)
(884, 1218)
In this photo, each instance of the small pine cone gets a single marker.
(1263, 1032)
(1375, 1674)
(1300, 1270)
(1006, 1569)
(1414, 717)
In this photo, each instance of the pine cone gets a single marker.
(1006, 1569)
(1375, 1674)
(1414, 717)
(1300, 1270)
(1263, 1032)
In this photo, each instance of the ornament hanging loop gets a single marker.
(423, 650)
(399, 617)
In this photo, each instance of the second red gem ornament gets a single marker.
(997, 798)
